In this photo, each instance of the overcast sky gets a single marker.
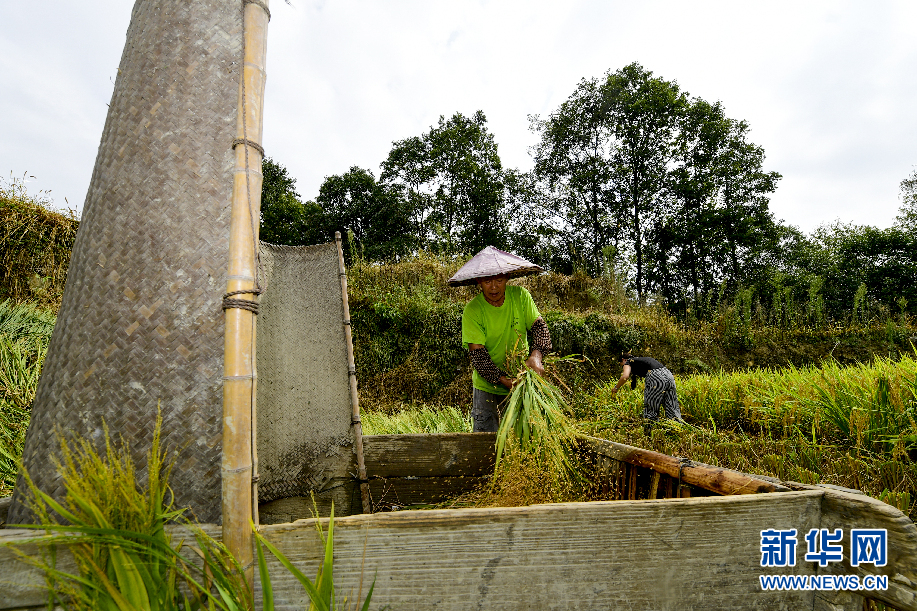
(829, 88)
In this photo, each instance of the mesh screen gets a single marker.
(140, 322)
(305, 441)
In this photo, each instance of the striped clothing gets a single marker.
(660, 390)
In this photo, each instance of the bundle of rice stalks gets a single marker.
(536, 417)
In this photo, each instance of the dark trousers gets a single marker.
(486, 409)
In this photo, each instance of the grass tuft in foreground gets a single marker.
(126, 558)
(116, 532)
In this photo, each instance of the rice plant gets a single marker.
(35, 244)
(126, 558)
(535, 415)
(322, 596)
(116, 532)
(414, 419)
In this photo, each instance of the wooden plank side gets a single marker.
(21, 585)
(446, 454)
(397, 492)
(849, 511)
(666, 555)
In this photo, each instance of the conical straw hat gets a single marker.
(493, 262)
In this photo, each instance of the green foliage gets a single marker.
(25, 331)
(115, 529)
(907, 215)
(453, 179)
(372, 214)
(668, 182)
(284, 218)
(35, 244)
(321, 592)
(416, 418)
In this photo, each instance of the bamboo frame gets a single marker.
(239, 345)
(354, 395)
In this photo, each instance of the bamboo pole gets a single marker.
(239, 344)
(354, 395)
(715, 479)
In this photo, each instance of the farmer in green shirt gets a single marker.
(495, 325)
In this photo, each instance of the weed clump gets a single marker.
(35, 245)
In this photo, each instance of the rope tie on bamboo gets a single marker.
(236, 142)
(242, 304)
(351, 370)
(682, 463)
(347, 323)
(263, 6)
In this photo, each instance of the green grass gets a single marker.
(114, 527)
(413, 419)
(25, 331)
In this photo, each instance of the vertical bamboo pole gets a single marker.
(354, 395)
(654, 485)
(239, 343)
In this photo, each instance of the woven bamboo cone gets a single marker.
(239, 349)
(140, 328)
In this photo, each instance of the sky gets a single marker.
(829, 88)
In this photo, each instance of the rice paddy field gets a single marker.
(851, 426)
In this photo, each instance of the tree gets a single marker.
(576, 159)
(686, 229)
(883, 260)
(284, 218)
(644, 110)
(907, 215)
(452, 179)
(376, 214)
(605, 154)
(743, 211)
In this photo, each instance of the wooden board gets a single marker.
(398, 492)
(696, 553)
(446, 454)
(848, 511)
(672, 554)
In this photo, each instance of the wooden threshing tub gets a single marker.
(680, 536)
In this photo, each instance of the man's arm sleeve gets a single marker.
(484, 365)
(541, 337)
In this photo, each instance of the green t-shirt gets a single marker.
(499, 330)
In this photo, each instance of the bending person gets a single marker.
(659, 389)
